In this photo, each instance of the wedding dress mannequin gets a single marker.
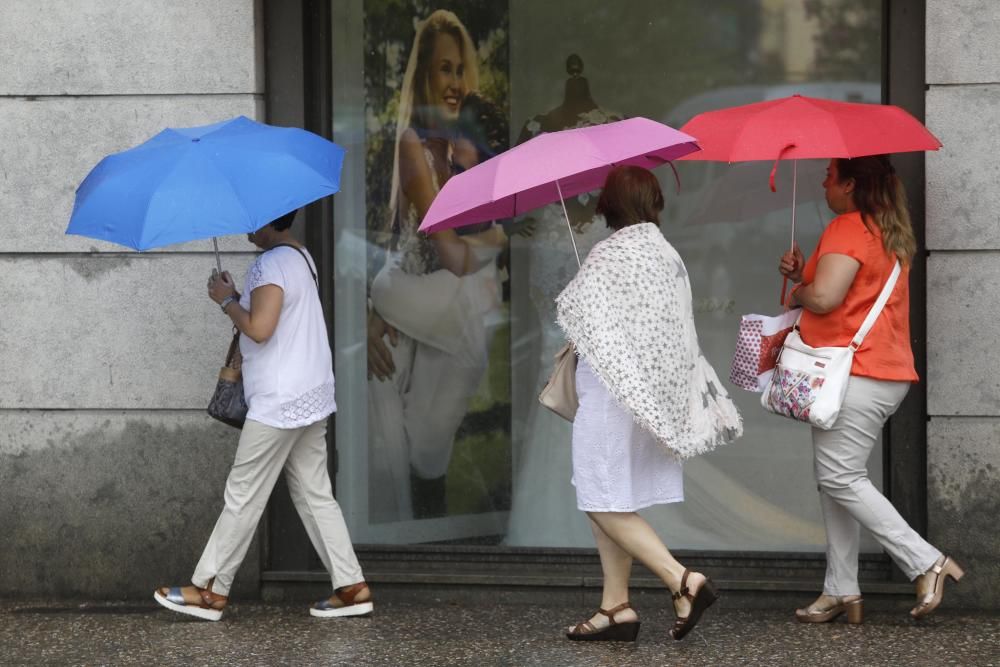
(543, 505)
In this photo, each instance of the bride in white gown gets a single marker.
(543, 505)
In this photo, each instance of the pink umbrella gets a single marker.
(551, 167)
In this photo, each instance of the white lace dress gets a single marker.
(617, 465)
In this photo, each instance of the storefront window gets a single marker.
(452, 445)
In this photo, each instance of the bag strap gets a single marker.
(876, 309)
(234, 347)
(299, 250)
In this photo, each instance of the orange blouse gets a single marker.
(885, 353)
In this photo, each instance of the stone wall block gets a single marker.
(963, 202)
(962, 334)
(963, 463)
(115, 47)
(124, 331)
(961, 39)
(48, 146)
(129, 501)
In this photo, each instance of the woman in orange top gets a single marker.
(837, 287)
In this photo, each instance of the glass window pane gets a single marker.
(454, 446)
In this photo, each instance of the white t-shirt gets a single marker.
(288, 380)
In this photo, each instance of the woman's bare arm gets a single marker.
(261, 320)
(416, 181)
(834, 275)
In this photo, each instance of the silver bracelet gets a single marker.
(225, 302)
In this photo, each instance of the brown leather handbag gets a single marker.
(559, 393)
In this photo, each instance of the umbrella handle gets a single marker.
(774, 167)
(572, 237)
(795, 181)
(218, 262)
(677, 177)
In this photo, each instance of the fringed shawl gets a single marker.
(630, 315)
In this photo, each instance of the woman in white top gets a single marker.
(289, 389)
(648, 399)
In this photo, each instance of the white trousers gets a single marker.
(262, 453)
(847, 496)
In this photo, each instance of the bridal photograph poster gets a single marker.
(436, 102)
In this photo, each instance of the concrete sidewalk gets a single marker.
(41, 633)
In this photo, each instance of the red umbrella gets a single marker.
(797, 127)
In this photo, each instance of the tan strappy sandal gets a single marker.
(944, 568)
(615, 632)
(702, 599)
(854, 609)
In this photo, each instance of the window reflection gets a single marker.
(454, 446)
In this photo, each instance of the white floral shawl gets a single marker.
(629, 313)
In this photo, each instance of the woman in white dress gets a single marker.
(648, 399)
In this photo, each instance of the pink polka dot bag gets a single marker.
(757, 346)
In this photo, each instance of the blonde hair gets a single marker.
(415, 95)
(881, 199)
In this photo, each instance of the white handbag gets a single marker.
(809, 383)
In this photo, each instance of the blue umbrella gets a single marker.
(184, 184)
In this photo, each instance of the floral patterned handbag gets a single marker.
(809, 383)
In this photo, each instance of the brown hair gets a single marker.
(881, 199)
(631, 195)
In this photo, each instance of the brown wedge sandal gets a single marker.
(704, 598)
(615, 632)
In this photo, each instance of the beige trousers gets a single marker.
(847, 496)
(262, 453)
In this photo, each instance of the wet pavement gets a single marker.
(40, 633)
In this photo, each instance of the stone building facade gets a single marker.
(110, 472)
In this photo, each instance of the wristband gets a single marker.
(228, 300)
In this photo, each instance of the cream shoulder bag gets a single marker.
(559, 393)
